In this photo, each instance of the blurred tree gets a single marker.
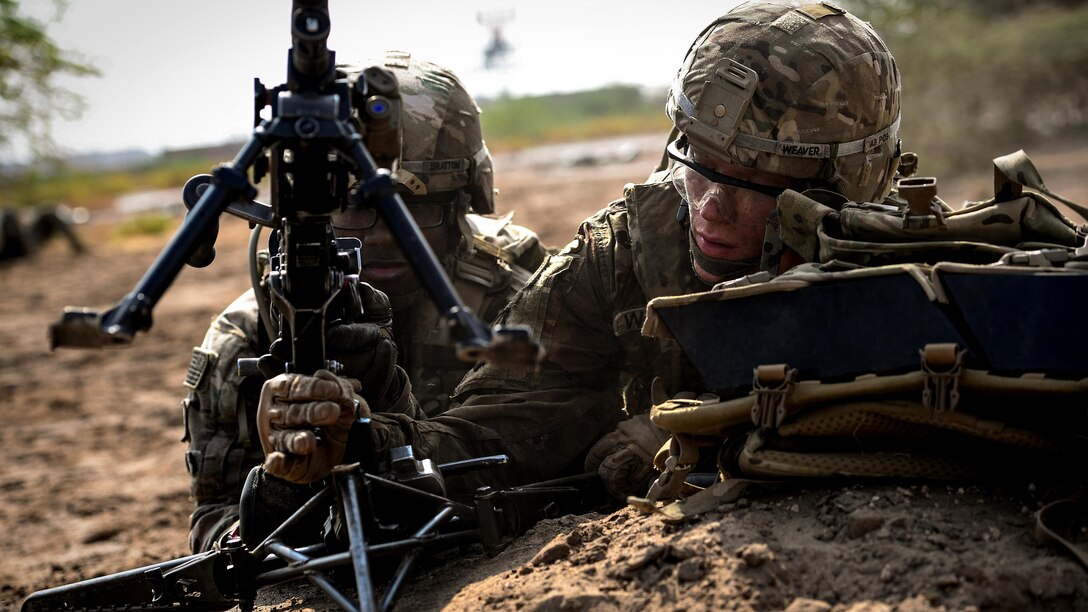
(30, 64)
(982, 78)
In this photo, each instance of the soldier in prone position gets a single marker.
(769, 98)
(443, 173)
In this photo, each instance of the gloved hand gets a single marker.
(624, 458)
(304, 421)
(364, 346)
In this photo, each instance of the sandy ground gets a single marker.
(93, 480)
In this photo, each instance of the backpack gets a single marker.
(920, 342)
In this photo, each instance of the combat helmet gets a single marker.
(442, 146)
(809, 92)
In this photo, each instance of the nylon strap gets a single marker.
(785, 148)
(1065, 512)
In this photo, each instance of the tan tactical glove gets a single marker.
(624, 458)
(304, 422)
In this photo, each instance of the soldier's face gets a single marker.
(728, 222)
(385, 266)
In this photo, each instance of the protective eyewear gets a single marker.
(700, 185)
(678, 151)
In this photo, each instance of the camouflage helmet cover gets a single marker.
(809, 92)
(442, 146)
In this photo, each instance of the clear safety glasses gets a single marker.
(427, 210)
(700, 186)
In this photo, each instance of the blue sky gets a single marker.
(180, 73)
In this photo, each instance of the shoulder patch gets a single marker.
(199, 364)
(628, 320)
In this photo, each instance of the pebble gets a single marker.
(690, 570)
(861, 523)
(801, 604)
(755, 555)
(555, 551)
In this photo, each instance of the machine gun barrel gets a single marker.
(311, 59)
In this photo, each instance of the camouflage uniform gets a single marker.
(221, 406)
(489, 258)
(586, 305)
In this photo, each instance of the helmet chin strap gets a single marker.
(768, 261)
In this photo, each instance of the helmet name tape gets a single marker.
(439, 174)
(438, 166)
(725, 97)
(818, 151)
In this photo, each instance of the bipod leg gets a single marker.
(350, 487)
(319, 580)
(409, 559)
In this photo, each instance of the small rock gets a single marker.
(859, 523)
(755, 555)
(801, 604)
(946, 581)
(645, 557)
(551, 553)
(795, 508)
(886, 574)
(690, 570)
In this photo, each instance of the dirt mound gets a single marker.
(878, 547)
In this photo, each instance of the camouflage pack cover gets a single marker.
(822, 89)
(442, 146)
(1022, 216)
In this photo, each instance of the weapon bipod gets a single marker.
(399, 514)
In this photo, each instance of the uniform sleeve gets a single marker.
(219, 413)
(544, 420)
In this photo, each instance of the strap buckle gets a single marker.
(683, 455)
(942, 365)
(771, 386)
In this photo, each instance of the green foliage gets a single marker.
(511, 123)
(982, 78)
(30, 63)
(53, 183)
(152, 224)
